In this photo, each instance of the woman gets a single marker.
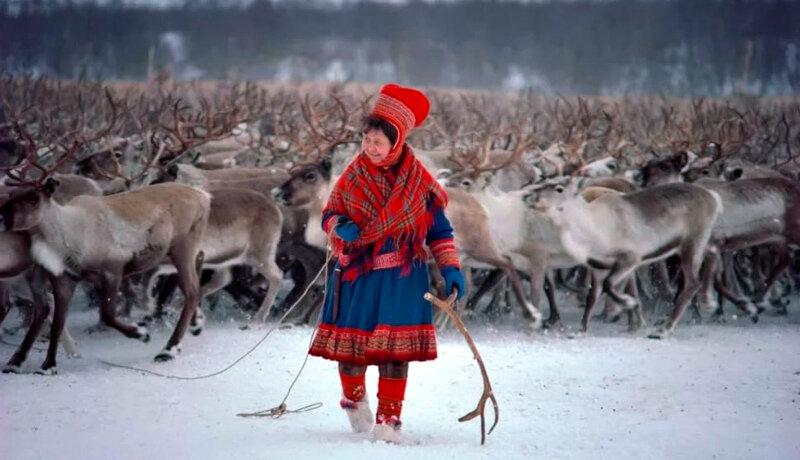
(381, 212)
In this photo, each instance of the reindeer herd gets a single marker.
(135, 191)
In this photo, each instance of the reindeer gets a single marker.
(527, 236)
(243, 229)
(16, 248)
(755, 212)
(105, 239)
(192, 175)
(618, 233)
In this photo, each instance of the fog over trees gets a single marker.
(682, 47)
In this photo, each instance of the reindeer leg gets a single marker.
(165, 294)
(63, 288)
(164, 286)
(761, 258)
(591, 301)
(744, 304)
(706, 302)
(188, 261)
(489, 283)
(152, 306)
(660, 276)
(109, 287)
(635, 316)
(219, 279)
(781, 264)
(269, 269)
(623, 268)
(742, 274)
(691, 256)
(303, 271)
(527, 308)
(129, 295)
(725, 272)
(39, 315)
(5, 302)
(37, 281)
(550, 292)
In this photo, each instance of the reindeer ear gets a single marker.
(681, 159)
(443, 173)
(719, 167)
(50, 187)
(326, 165)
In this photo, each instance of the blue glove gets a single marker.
(452, 276)
(346, 229)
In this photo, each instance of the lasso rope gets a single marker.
(280, 409)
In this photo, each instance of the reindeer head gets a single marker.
(608, 166)
(100, 165)
(23, 210)
(713, 170)
(664, 170)
(546, 195)
(305, 185)
(470, 181)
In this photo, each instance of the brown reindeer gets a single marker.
(243, 228)
(192, 175)
(104, 239)
(17, 261)
(755, 212)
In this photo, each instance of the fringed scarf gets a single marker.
(382, 209)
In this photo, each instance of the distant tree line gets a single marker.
(680, 47)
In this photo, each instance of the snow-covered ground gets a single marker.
(713, 391)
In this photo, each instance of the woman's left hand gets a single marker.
(346, 229)
(453, 278)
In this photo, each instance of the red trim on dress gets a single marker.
(385, 343)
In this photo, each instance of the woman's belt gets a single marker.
(380, 262)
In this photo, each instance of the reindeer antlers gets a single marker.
(63, 146)
(488, 394)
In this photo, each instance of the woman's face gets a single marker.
(376, 145)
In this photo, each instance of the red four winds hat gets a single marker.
(405, 108)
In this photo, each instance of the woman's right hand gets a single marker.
(346, 229)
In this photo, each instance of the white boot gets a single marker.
(358, 413)
(387, 430)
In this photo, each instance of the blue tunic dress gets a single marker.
(382, 316)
